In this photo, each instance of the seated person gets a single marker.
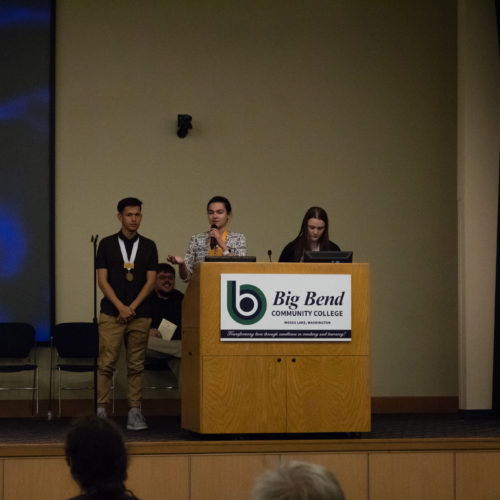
(96, 454)
(166, 303)
(313, 236)
(217, 241)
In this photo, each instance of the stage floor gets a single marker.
(168, 429)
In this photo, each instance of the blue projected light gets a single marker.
(31, 108)
(13, 244)
(12, 15)
(42, 330)
(26, 161)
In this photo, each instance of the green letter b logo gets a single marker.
(246, 305)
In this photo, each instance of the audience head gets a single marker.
(165, 279)
(297, 481)
(96, 455)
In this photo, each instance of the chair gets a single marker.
(18, 353)
(77, 347)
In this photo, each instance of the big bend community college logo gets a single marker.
(246, 304)
(285, 307)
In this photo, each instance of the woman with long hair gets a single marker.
(217, 241)
(313, 236)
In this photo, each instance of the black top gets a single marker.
(288, 253)
(170, 308)
(109, 256)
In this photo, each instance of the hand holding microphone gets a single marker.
(213, 240)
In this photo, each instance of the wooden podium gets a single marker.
(273, 387)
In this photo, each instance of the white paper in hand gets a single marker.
(166, 329)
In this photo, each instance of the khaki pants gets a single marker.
(159, 348)
(111, 335)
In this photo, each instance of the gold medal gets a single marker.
(128, 264)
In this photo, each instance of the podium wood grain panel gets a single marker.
(247, 394)
(190, 380)
(244, 394)
(328, 394)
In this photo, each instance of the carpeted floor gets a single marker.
(400, 426)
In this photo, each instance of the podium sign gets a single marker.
(285, 308)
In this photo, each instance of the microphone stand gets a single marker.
(94, 239)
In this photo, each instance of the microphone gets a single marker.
(213, 241)
(269, 252)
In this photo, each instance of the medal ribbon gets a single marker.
(124, 251)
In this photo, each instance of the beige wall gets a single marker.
(346, 105)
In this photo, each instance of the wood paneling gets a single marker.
(350, 469)
(412, 476)
(198, 475)
(328, 394)
(1, 478)
(244, 394)
(478, 475)
(40, 478)
(223, 477)
(158, 478)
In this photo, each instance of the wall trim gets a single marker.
(415, 404)
(172, 406)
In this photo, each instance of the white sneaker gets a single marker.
(101, 412)
(136, 421)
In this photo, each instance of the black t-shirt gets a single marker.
(109, 256)
(169, 308)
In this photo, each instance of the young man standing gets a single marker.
(126, 272)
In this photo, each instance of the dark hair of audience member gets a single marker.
(96, 455)
(220, 199)
(297, 481)
(301, 243)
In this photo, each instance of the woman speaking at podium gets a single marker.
(313, 236)
(217, 241)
